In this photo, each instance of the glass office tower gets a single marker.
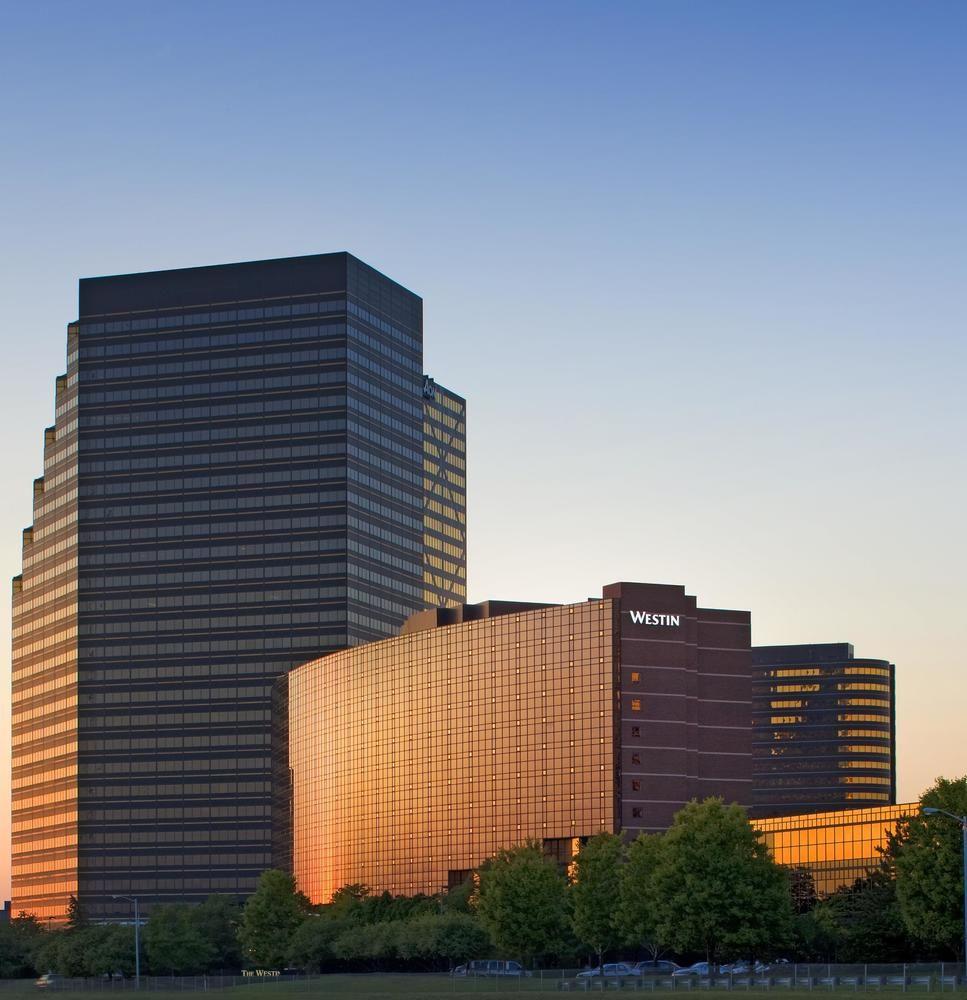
(45, 673)
(444, 496)
(234, 484)
(823, 729)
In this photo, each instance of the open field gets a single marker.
(388, 986)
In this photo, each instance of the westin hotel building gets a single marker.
(411, 760)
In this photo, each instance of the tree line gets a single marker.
(909, 907)
(706, 888)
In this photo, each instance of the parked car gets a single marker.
(776, 965)
(744, 968)
(608, 969)
(698, 969)
(655, 967)
(490, 967)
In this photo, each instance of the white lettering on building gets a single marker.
(650, 618)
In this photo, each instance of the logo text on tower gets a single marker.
(650, 618)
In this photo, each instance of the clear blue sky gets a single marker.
(698, 267)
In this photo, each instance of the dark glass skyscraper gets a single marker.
(236, 482)
(823, 729)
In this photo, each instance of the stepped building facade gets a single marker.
(248, 468)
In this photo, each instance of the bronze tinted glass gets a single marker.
(45, 693)
(416, 758)
(835, 848)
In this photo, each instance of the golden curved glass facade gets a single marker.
(414, 759)
(44, 674)
(836, 848)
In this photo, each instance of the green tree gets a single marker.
(636, 916)
(21, 942)
(457, 899)
(92, 951)
(385, 907)
(63, 952)
(926, 855)
(175, 942)
(438, 939)
(76, 916)
(718, 889)
(428, 938)
(595, 892)
(369, 943)
(861, 922)
(217, 920)
(270, 918)
(313, 944)
(816, 937)
(802, 887)
(347, 901)
(108, 949)
(45, 957)
(522, 902)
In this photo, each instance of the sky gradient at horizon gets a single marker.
(698, 267)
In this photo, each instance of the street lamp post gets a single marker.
(137, 939)
(962, 820)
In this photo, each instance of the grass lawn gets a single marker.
(387, 986)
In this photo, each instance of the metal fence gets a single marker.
(101, 984)
(899, 977)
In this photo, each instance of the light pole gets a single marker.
(137, 939)
(962, 820)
